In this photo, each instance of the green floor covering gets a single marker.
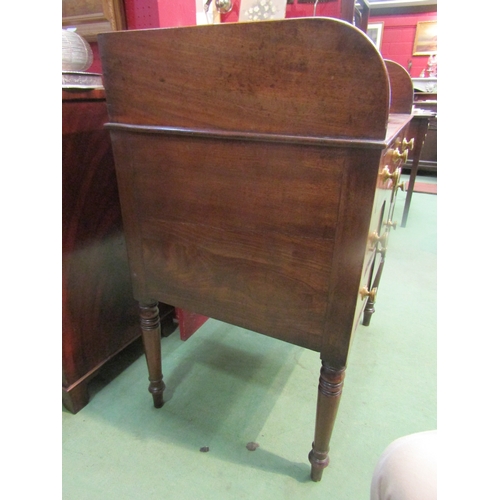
(227, 387)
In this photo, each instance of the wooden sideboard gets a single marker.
(99, 311)
(258, 164)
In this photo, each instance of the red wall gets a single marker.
(143, 14)
(398, 36)
(176, 13)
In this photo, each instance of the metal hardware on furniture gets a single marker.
(397, 155)
(408, 144)
(371, 294)
(374, 238)
(394, 176)
(386, 173)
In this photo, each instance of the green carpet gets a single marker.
(228, 387)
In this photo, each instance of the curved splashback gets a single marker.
(293, 77)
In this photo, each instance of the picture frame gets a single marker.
(92, 17)
(374, 33)
(425, 39)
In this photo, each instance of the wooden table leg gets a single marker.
(151, 336)
(423, 124)
(331, 381)
(370, 303)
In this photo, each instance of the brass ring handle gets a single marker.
(371, 294)
(409, 144)
(397, 155)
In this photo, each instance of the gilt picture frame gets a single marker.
(425, 39)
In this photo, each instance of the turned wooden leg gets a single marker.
(370, 303)
(423, 125)
(368, 312)
(331, 381)
(151, 336)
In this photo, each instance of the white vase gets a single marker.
(76, 52)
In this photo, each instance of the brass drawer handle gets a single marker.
(394, 176)
(392, 224)
(408, 144)
(386, 174)
(374, 238)
(397, 155)
(371, 294)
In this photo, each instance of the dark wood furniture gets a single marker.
(420, 125)
(423, 128)
(427, 101)
(361, 14)
(418, 128)
(401, 103)
(257, 165)
(99, 312)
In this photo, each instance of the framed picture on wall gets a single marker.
(374, 32)
(425, 39)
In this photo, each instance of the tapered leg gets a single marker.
(370, 303)
(331, 381)
(423, 124)
(151, 336)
